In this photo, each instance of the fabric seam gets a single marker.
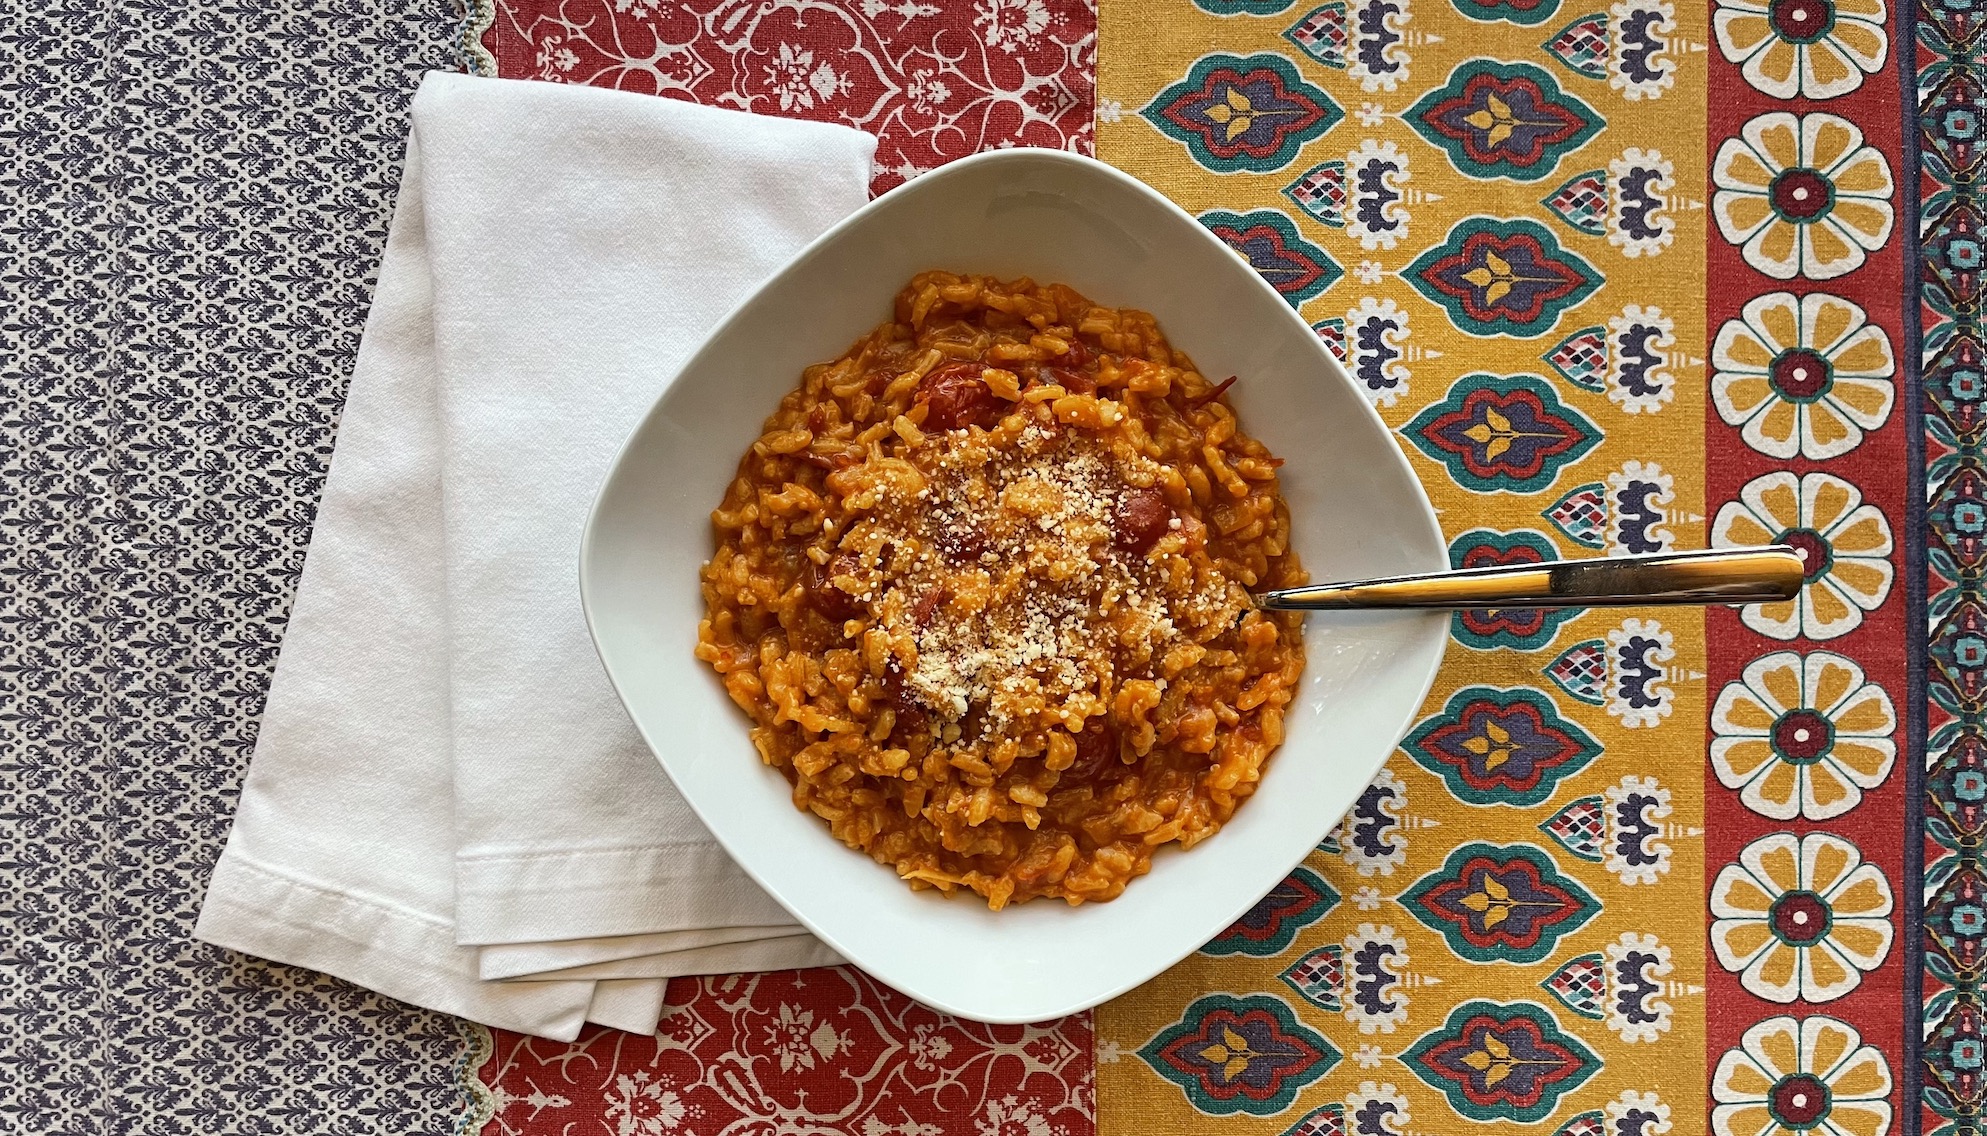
(475, 18)
(246, 864)
(579, 853)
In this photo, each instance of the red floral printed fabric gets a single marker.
(817, 1051)
(796, 1052)
(933, 81)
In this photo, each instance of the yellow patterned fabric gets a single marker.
(1492, 209)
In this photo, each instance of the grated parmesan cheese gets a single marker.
(1049, 612)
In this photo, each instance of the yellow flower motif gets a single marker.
(1802, 195)
(1794, 1076)
(1493, 901)
(1818, 49)
(1800, 917)
(1232, 1053)
(1495, 433)
(1494, 746)
(1496, 1061)
(1846, 545)
(1239, 113)
(1802, 735)
(1496, 276)
(1802, 375)
(1499, 121)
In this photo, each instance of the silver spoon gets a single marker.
(1720, 576)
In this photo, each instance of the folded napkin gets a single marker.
(442, 767)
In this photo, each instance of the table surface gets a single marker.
(1620, 277)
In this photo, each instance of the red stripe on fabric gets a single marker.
(1878, 468)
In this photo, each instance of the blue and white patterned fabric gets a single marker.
(193, 199)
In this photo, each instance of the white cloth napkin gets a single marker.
(445, 790)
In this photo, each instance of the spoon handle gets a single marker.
(1720, 576)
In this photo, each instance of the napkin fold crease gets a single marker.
(446, 801)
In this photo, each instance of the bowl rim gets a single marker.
(1433, 645)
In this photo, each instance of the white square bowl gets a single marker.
(1357, 511)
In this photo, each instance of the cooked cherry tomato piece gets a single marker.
(829, 600)
(955, 396)
(1096, 751)
(1142, 518)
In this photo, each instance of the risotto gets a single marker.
(982, 586)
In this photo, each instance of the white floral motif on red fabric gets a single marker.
(933, 81)
(797, 1051)
(818, 1050)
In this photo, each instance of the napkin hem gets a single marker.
(798, 951)
(588, 893)
(395, 951)
(512, 960)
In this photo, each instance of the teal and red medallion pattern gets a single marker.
(1272, 924)
(1248, 1054)
(1502, 1062)
(1509, 434)
(1503, 120)
(1243, 113)
(1269, 241)
(1503, 277)
(1572, 265)
(1500, 904)
(1501, 746)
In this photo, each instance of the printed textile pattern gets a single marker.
(1805, 848)
(195, 199)
(1622, 279)
(826, 1051)
(1951, 99)
(933, 81)
(796, 1051)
